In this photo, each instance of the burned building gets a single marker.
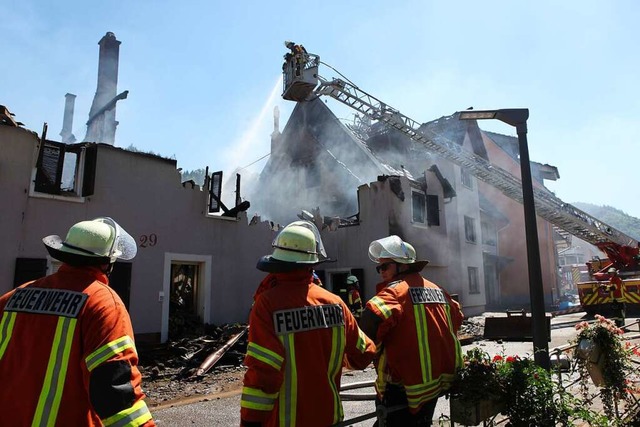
(475, 232)
(184, 252)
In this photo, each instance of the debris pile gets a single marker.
(472, 329)
(206, 360)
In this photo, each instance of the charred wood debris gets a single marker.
(195, 351)
(195, 357)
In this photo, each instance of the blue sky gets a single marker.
(203, 75)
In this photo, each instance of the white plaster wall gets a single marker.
(144, 194)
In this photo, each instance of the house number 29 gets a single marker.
(148, 240)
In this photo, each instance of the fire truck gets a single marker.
(302, 82)
(595, 295)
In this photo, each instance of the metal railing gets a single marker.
(565, 376)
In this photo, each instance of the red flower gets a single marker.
(497, 358)
(511, 359)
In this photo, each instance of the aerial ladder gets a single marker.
(301, 82)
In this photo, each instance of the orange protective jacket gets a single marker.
(67, 355)
(617, 288)
(300, 337)
(354, 301)
(416, 338)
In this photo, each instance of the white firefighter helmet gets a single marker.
(352, 280)
(96, 242)
(298, 245)
(612, 270)
(392, 247)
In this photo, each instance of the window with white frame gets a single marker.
(470, 229)
(474, 287)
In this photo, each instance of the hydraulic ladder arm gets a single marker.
(548, 206)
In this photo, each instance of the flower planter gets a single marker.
(592, 355)
(471, 414)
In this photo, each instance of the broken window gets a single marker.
(474, 288)
(467, 180)
(425, 208)
(66, 169)
(418, 206)
(470, 229)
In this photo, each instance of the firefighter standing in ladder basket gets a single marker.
(299, 54)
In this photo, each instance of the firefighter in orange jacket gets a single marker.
(615, 289)
(354, 302)
(67, 356)
(414, 323)
(300, 337)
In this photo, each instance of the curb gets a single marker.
(576, 309)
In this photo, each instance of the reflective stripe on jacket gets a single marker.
(419, 323)
(67, 356)
(300, 337)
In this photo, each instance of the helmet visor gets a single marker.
(124, 246)
(391, 247)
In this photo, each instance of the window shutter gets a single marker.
(49, 167)
(28, 269)
(215, 191)
(433, 210)
(89, 178)
(120, 281)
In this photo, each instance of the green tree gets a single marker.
(614, 217)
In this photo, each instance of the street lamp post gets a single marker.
(517, 117)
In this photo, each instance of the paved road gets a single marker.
(224, 410)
